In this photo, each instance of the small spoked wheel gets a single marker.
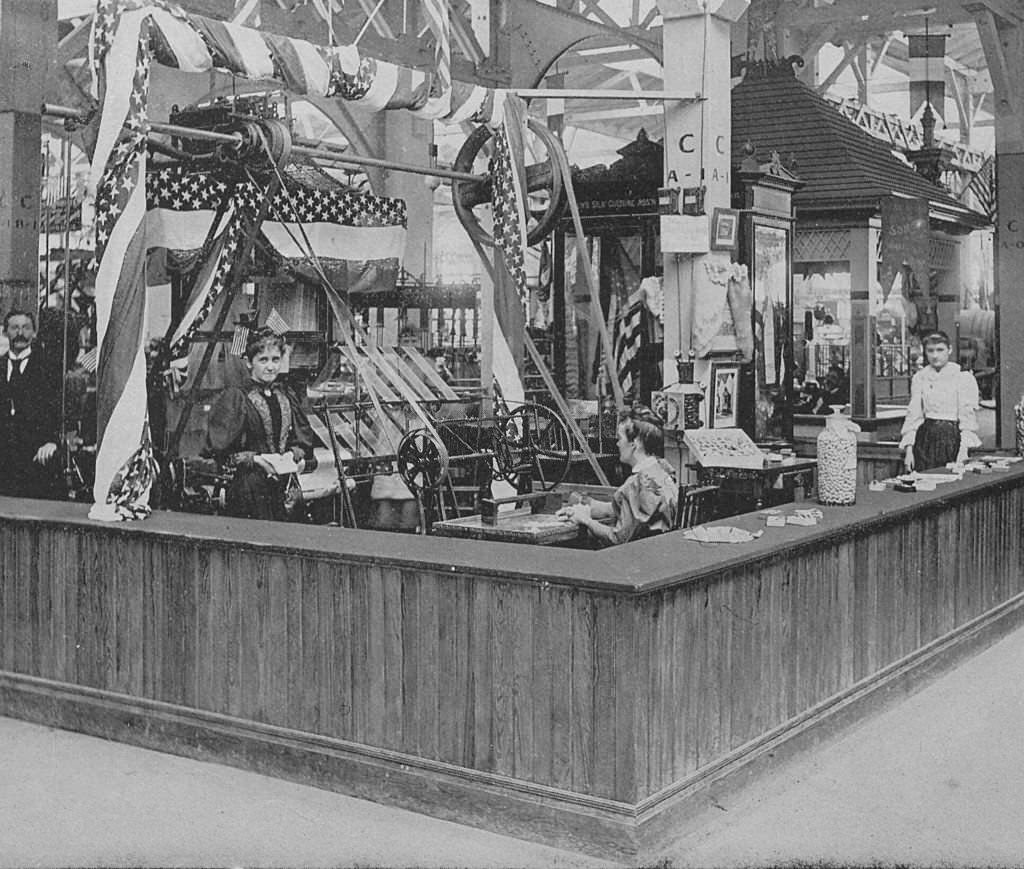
(422, 461)
(533, 440)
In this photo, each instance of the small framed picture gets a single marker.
(725, 229)
(722, 404)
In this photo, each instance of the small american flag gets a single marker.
(88, 361)
(629, 337)
(982, 189)
(239, 340)
(278, 323)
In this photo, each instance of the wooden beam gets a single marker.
(1011, 11)
(580, 118)
(815, 41)
(960, 97)
(465, 39)
(602, 94)
(860, 72)
(882, 52)
(976, 107)
(379, 20)
(848, 57)
(1006, 85)
(591, 7)
(881, 15)
(651, 17)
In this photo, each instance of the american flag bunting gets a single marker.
(125, 467)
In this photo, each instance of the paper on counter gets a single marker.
(720, 534)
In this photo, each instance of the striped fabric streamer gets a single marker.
(125, 469)
(177, 44)
(237, 49)
(302, 65)
(305, 68)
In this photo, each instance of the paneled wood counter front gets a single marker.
(589, 699)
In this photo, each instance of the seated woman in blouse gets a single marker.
(941, 425)
(247, 423)
(646, 503)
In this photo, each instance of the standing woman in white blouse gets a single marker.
(941, 425)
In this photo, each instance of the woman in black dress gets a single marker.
(248, 423)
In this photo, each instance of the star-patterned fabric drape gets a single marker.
(182, 205)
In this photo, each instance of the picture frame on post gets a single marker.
(725, 229)
(722, 395)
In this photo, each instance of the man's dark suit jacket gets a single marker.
(29, 418)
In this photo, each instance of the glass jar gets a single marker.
(837, 460)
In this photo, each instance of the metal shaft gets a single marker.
(304, 147)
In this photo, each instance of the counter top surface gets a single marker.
(635, 567)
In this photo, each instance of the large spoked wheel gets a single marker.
(546, 199)
(422, 461)
(533, 440)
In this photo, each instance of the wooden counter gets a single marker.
(589, 699)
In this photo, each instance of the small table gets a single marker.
(517, 526)
(756, 488)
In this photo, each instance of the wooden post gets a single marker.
(1003, 42)
(28, 44)
(697, 141)
(863, 266)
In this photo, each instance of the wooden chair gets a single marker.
(696, 505)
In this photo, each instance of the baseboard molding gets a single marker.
(603, 828)
(504, 805)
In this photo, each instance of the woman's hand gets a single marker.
(961, 456)
(45, 453)
(578, 514)
(908, 459)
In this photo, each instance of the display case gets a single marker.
(764, 196)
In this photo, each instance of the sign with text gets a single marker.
(905, 234)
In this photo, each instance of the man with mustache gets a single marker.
(29, 412)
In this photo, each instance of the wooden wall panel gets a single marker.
(752, 648)
(615, 694)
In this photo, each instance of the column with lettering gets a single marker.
(697, 40)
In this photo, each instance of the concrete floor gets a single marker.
(936, 779)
